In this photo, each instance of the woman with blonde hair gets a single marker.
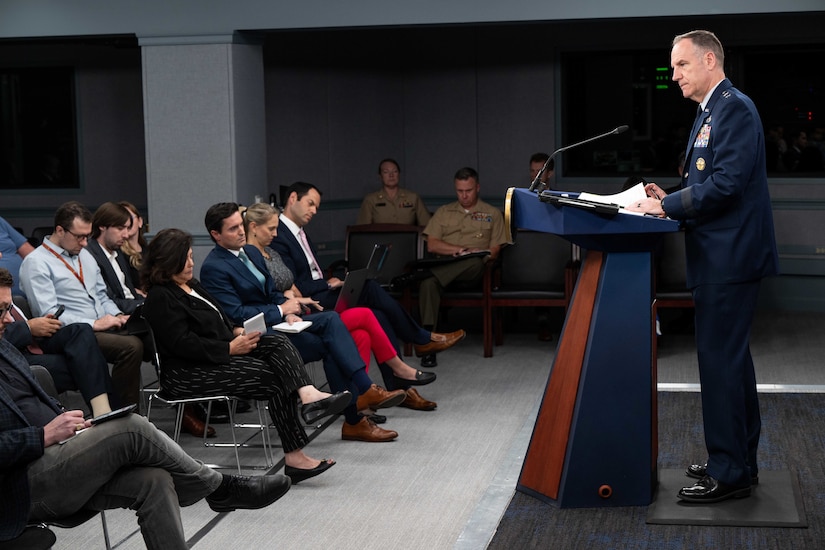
(261, 226)
(136, 242)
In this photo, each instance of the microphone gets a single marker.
(537, 181)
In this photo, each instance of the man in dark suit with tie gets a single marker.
(730, 246)
(300, 256)
(110, 229)
(235, 274)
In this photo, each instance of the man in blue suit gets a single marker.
(730, 246)
(235, 274)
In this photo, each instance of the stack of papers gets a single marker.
(629, 196)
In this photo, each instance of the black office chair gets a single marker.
(671, 289)
(535, 271)
(38, 234)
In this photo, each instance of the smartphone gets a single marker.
(60, 309)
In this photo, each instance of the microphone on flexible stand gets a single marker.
(537, 183)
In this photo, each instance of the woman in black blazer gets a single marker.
(203, 354)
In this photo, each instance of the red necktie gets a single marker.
(18, 317)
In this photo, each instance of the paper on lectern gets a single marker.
(629, 196)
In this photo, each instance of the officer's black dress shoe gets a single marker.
(699, 471)
(708, 490)
(248, 493)
(421, 379)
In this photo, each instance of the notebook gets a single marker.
(351, 291)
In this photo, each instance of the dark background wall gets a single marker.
(435, 97)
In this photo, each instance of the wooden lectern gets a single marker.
(595, 439)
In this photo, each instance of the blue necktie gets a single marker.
(251, 267)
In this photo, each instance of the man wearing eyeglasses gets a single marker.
(62, 272)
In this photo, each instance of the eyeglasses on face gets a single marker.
(78, 237)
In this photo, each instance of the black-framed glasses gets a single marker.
(78, 237)
(5, 310)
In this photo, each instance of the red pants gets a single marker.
(368, 335)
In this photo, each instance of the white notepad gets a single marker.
(294, 328)
(255, 324)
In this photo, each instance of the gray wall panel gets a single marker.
(367, 124)
(208, 17)
(298, 133)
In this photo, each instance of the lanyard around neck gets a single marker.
(68, 265)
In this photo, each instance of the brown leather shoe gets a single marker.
(441, 342)
(193, 425)
(416, 402)
(366, 430)
(378, 398)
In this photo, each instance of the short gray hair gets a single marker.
(704, 41)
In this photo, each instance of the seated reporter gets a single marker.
(69, 352)
(123, 463)
(261, 226)
(203, 354)
(300, 256)
(235, 274)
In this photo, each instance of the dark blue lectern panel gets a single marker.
(594, 443)
(608, 459)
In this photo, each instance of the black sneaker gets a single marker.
(249, 493)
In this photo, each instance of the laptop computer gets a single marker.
(351, 291)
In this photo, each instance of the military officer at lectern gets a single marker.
(730, 246)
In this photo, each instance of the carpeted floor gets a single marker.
(793, 438)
